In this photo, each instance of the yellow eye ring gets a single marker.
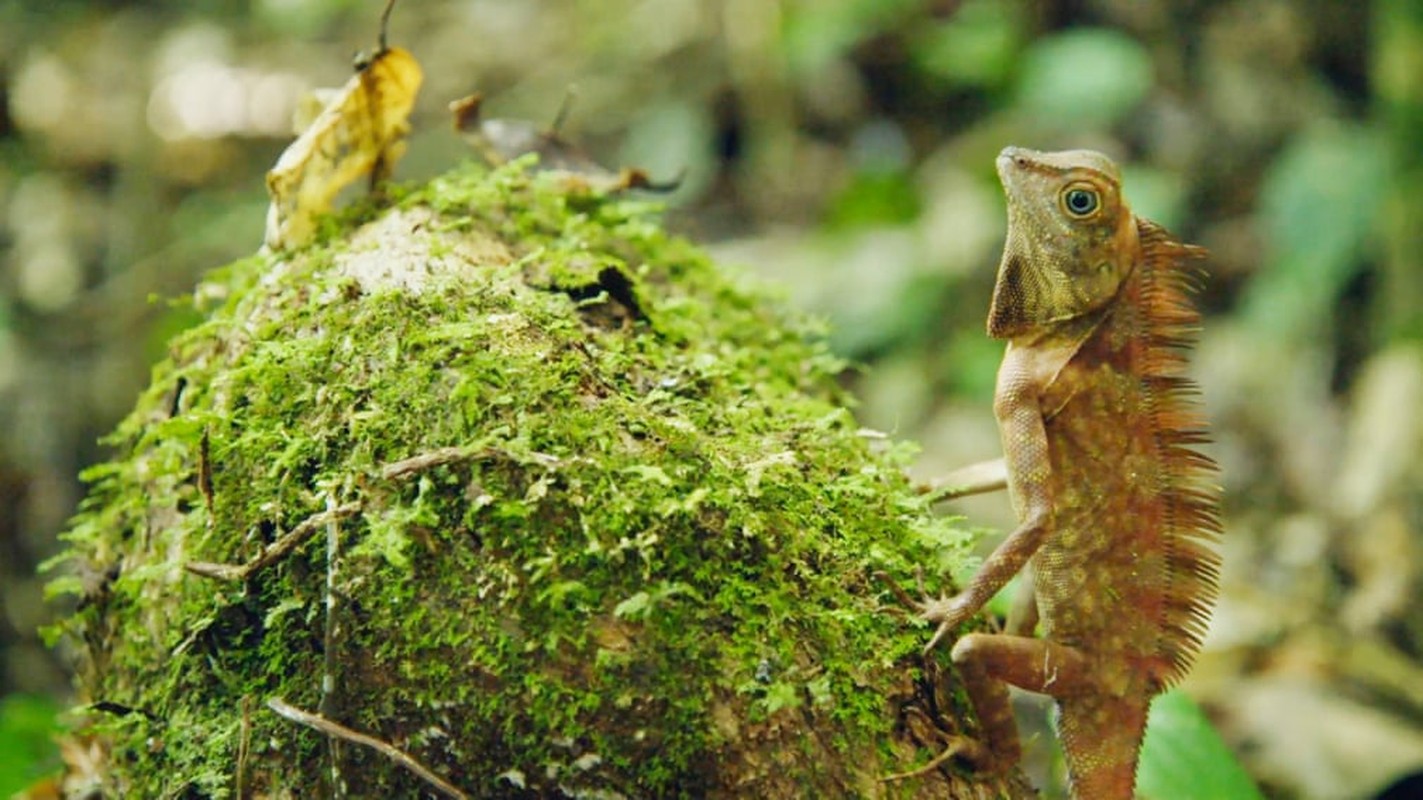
(1080, 200)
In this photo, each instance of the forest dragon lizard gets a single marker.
(1116, 509)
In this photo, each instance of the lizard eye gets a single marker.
(1080, 201)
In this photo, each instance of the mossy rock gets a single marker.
(594, 517)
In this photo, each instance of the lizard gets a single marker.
(1117, 513)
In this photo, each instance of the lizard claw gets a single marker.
(948, 612)
(938, 636)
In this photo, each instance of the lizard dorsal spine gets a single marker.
(1189, 498)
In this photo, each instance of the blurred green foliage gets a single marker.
(817, 32)
(1319, 214)
(1183, 758)
(874, 198)
(27, 748)
(978, 46)
(1084, 78)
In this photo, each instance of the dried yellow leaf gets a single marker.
(359, 132)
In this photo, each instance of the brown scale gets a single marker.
(1117, 513)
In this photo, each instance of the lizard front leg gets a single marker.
(1029, 474)
(981, 478)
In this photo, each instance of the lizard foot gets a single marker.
(948, 612)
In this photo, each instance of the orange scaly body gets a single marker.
(1116, 513)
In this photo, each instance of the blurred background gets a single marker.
(842, 149)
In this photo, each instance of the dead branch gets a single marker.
(276, 550)
(390, 751)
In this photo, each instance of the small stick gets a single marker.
(298, 535)
(205, 474)
(390, 751)
(938, 761)
(898, 591)
(434, 458)
(385, 23)
(450, 455)
(244, 743)
(980, 478)
(328, 707)
(276, 550)
(569, 95)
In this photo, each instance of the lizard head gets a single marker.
(1071, 239)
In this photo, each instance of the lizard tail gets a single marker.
(1189, 497)
(1101, 739)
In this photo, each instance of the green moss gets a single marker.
(655, 553)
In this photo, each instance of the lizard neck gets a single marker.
(1045, 350)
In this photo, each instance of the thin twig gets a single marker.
(569, 95)
(413, 465)
(938, 761)
(205, 474)
(395, 470)
(275, 551)
(898, 591)
(244, 743)
(328, 707)
(435, 458)
(326, 726)
(980, 478)
(384, 24)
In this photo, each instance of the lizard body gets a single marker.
(1116, 512)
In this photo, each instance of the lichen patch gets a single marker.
(390, 254)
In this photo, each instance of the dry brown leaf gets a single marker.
(359, 132)
(499, 141)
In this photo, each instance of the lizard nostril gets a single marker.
(1020, 161)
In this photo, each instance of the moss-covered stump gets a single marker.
(541, 499)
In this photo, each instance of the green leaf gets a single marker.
(27, 727)
(818, 31)
(977, 46)
(634, 607)
(650, 473)
(64, 586)
(1183, 758)
(781, 695)
(563, 594)
(1318, 206)
(874, 198)
(1084, 78)
(281, 609)
(386, 537)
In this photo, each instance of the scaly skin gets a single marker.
(1115, 511)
